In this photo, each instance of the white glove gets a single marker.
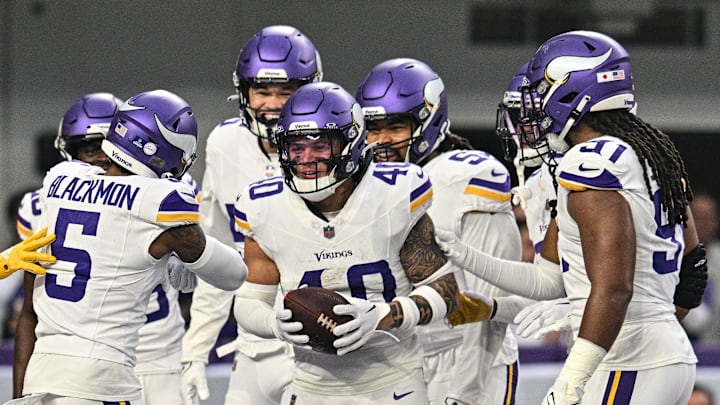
(194, 383)
(563, 393)
(543, 317)
(181, 279)
(455, 249)
(285, 329)
(354, 334)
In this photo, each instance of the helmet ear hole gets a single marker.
(568, 98)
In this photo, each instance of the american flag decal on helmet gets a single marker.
(329, 232)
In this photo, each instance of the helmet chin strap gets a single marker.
(557, 141)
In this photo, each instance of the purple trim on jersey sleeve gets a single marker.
(173, 202)
(25, 223)
(420, 190)
(604, 181)
(241, 221)
(503, 187)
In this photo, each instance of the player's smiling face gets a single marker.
(312, 154)
(393, 134)
(267, 99)
(91, 152)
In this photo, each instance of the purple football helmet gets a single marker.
(86, 120)
(154, 134)
(572, 74)
(408, 87)
(277, 54)
(319, 112)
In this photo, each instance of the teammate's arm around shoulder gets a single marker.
(436, 293)
(215, 263)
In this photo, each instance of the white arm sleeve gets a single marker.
(506, 308)
(219, 265)
(540, 281)
(254, 309)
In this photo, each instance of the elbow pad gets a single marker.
(693, 279)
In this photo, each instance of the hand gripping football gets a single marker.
(313, 307)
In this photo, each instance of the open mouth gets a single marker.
(386, 155)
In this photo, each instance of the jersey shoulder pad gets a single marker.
(170, 202)
(604, 163)
(400, 183)
(256, 200)
(477, 175)
(28, 214)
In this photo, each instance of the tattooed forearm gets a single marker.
(189, 241)
(448, 290)
(420, 255)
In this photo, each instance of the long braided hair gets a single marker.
(453, 141)
(656, 149)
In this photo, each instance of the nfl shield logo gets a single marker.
(329, 232)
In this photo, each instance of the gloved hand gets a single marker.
(474, 307)
(357, 332)
(563, 393)
(194, 383)
(581, 363)
(543, 317)
(180, 278)
(22, 255)
(287, 330)
(455, 249)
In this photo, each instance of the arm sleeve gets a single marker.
(219, 265)
(254, 309)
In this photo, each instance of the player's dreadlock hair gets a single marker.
(654, 147)
(453, 141)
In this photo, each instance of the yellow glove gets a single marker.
(473, 308)
(22, 255)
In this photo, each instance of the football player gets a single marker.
(271, 66)
(80, 135)
(406, 111)
(338, 221)
(116, 228)
(624, 223)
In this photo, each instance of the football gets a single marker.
(312, 306)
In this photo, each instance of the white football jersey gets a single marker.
(651, 336)
(164, 328)
(357, 254)
(470, 181)
(92, 302)
(233, 159)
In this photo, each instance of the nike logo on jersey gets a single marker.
(496, 174)
(401, 396)
(582, 168)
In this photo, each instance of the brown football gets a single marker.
(312, 306)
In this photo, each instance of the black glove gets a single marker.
(693, 279)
